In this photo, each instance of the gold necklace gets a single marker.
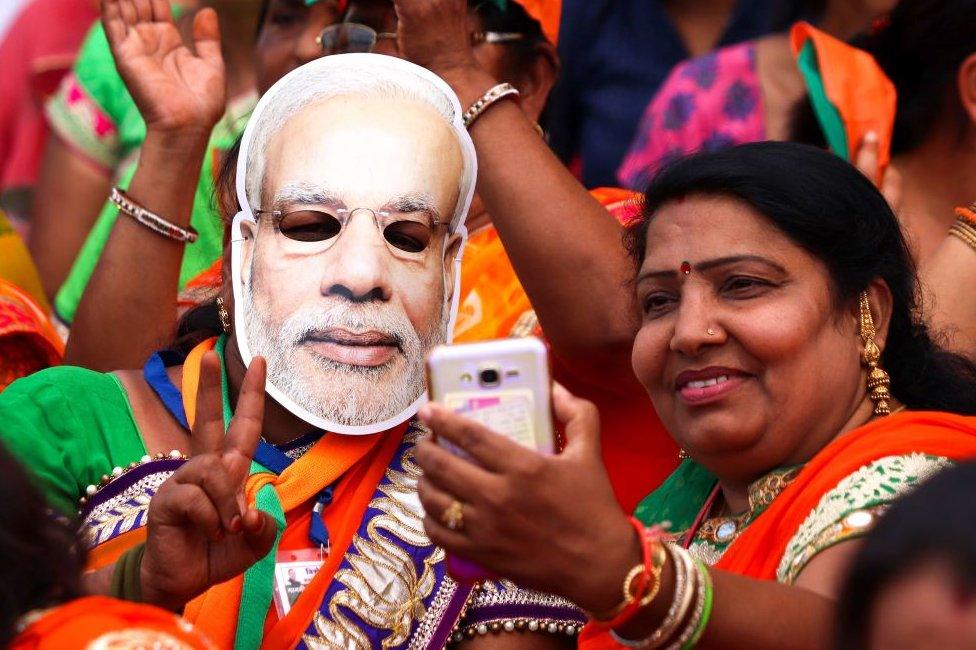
(724, 530)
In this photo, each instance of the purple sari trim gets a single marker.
(121, 506)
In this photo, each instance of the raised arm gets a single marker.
(564, 246)
(947, 304)
(181, 95)
(71, 191)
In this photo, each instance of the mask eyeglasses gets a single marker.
(404, 233)
(343, 38)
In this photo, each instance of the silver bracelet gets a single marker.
(691, 626)
(501, 91)
(150, 220)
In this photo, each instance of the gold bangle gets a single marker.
(965, 233)
(685, 581)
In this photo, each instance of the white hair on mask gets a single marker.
(356, 75)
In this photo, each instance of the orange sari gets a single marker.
(98, 622)
(28, 340)
(758, 551)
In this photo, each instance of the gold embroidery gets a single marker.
(877, 483)
(381, 585)
(525, 325)
(120, 514)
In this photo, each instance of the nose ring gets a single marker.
(710, 331)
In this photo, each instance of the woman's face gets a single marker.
(286, 38)
(747, 359)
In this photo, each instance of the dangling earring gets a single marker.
(878, 379)
(682, 454)
(224, 316)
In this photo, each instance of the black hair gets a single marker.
(42, 562)
(203, 321)
(920, 46)
(830, 209)
(932, 524)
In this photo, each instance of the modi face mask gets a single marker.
(356, 174)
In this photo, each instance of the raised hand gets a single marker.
(435, 34)
(200, 531)
(867, 161)
(175, 88)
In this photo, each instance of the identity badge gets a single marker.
(293, 572)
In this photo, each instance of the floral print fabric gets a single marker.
(707, 103)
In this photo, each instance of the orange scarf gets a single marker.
(757, 552)
(101, 622)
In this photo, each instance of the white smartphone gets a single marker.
(503, 384)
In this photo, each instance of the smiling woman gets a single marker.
(780, 327)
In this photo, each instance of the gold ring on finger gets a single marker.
(453, 516)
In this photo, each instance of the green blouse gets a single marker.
(70, 427)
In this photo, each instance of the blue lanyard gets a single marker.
(266, 455)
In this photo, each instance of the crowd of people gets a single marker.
(231, 233)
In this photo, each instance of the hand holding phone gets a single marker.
(503, 385)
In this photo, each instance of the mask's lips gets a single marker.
(369, 348)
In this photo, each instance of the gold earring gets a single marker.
(224, 316)
(682, 454)
(878, 379)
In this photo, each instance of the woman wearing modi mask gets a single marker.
(780, 344)
(515, 41)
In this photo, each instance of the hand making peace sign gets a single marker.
(200, 530)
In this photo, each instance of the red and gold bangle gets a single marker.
(642, 583)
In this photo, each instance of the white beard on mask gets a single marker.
(337, 392)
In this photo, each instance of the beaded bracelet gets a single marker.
(967, 214)
(494, 94)
(149, 219)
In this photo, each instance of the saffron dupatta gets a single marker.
(757, 552)
(28, 340)
(99, 622)
(850, 93)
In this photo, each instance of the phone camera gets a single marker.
(489, 377)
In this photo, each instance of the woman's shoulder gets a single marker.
(851, 508)
(69, 426)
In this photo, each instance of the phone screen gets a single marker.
(507, 411)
